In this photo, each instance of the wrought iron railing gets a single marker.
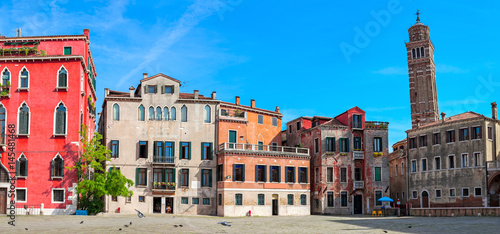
(164, 185)
(269, 148)
(163, 159)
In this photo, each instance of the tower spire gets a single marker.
(418, 14)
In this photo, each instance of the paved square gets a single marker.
(207, 224)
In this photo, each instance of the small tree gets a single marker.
(93, 180)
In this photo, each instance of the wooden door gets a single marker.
(3, 200)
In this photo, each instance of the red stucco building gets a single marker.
(47, 90)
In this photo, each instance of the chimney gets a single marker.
(145, 75)
(443, 115)
(19, 33)
(132, 91)
(196, 93)
(86, 32)
(277, 110)
(252, 103)
(106, 92)
(494, 110)
(214, 95)
(237, 100)
(418, 122)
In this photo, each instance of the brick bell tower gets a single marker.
(422, 75)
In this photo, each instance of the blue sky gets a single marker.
(283, 53)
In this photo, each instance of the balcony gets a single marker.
(358, 155)
(5, 90)
(236, 115)
(376, 125)
(164, 159)
(359, 184)
(163, 186)
(263, 148)
(493, 165)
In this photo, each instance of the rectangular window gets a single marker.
(330, 144)
(378, 174)
(465, 192)
(21, 195)
(184, 200)
(115, 148)
(465, 160)
(151, 88)
(220, 199)
(260, 173)
(261, 145)
(142, 199)
(413, 143)
(142, 176)
(260, 199)
(275, 121)
(169, 151)
(158, 151)
(451, 162)
(344, 145)
(329, 174)
(329, 198)
(206, 201)
(316, 145)
(238, 172)
(377, 144)
(438, 193)
(168, 89)
(232, 138)
(302, 174)
(184, 177)
(490, 133)
(424, 164)
(290, 200)
(195, 201)
(260, 119)
(477, 159)
(129, 199)
(238, 199)
(378, 195)
(476, 133)
(477, 192)
(343, 174)
(437, 163)
(356, 121)
(298, 126)
(275, 174)
(57, 195)
(220, 172)
(403, 195)
(413, 166)
(290, 128)
(357, 144)
(463, 134)
(436, 138)
(143, 149)
(206, 151)
(206, 177)
(343, 199)
(67, 50)
(303, 199)
(290, 174)
(114, 198)
(402, 168)
(423, 141)
(185, 150)
(452, 192)
(450, 136)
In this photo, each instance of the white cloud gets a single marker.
(443, 68)
(392, 71)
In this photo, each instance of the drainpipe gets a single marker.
(407, 173)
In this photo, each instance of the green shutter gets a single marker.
(52, 168)
(347, 144)
(162, 89)
(202, 151)
(211, 154)
(145, 89)
(307, 175)
(286, 174)
(210, 178)
(173, 149)
(165, 174)
(182, 178)
(156, 88)
(17, 167)
(234, 172)
(189, 150)
(26, 166)
(256, 173)
(173, 89)
(180, 149)
(136, 177)
(270, 173)
(62, 167)
(333, 142)
(67, 50)
(117, 149)
(243, 172)
(173, 175)
(154, 148)
(265, 173)
(279, 174)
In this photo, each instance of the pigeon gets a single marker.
(225, 223)
(140, 214)
(119, 229)
(175, 226)
(26, 229)
(409, 226)
(81, 222)
(125, 225)
(130, 223)
(180, 225)
(385, 231)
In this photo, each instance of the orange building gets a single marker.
(255, 174)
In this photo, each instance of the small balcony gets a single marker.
(263, 148)
(163, 159)
(493, 165)
(5, 90)
(376, 125)
(236, 115)
(163, 186)
(359, 184)
(358, 155)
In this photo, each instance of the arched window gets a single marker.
(116, 112)
(158, 113)
(184, 113)
(418, 53)
(165, 113)
(6, 77)
(2, 124)
(57, 167)
(173, 114)
(24, 78)
(60, 120)
(413, 53)
(62, 78)
(22, 166)
(422, 52)
(151, 113)
(141, 113)
(24, 119)
(207, 114)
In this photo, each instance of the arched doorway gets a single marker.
(494, 191)
(424, 202)
(4, 184)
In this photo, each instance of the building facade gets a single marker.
(398, 174)
(256, 175)
(349, 162)
(47, 92)
(163, 140)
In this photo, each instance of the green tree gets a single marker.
(93, 180)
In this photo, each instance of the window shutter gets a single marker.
(136, 177)
(374, 145)
(256, 173)
(162, 147)
(210, 178)
(156, 88)
(270, 174)
(243, 172)
(234, 172)
(117, 149)
(173, 175)
(173, 89)
(145, 89)
(162, 89)
(279, 174)
(347, 144)
(202, 151)
(307, 181)
(265, 173)
(17, 167)
(182, 178)
(62, 167)
(26, 166)
(52, 168)
(286, 175)
(189, 150)
(211, 153)
(165, 174)
(172, 152)
(333, 142)
(180, 150)
(154, 148)
(293, 174)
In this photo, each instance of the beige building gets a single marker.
(163, 140)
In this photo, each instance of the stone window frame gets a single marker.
(481, 190)
(440, 163)
(440, 193)
(465, 138)
(25, 194)
(468, 191)
(454, 162)
(439, 138)
(416, 166)
(480, 159)
(413, 193)
(333, 199)
(420, 141)
(426, 165)
(462, 160)
(332, 175)
(480, 136)
(454, 191)
(346, 175)
(64, 195)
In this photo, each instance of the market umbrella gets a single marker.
(386, 199)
